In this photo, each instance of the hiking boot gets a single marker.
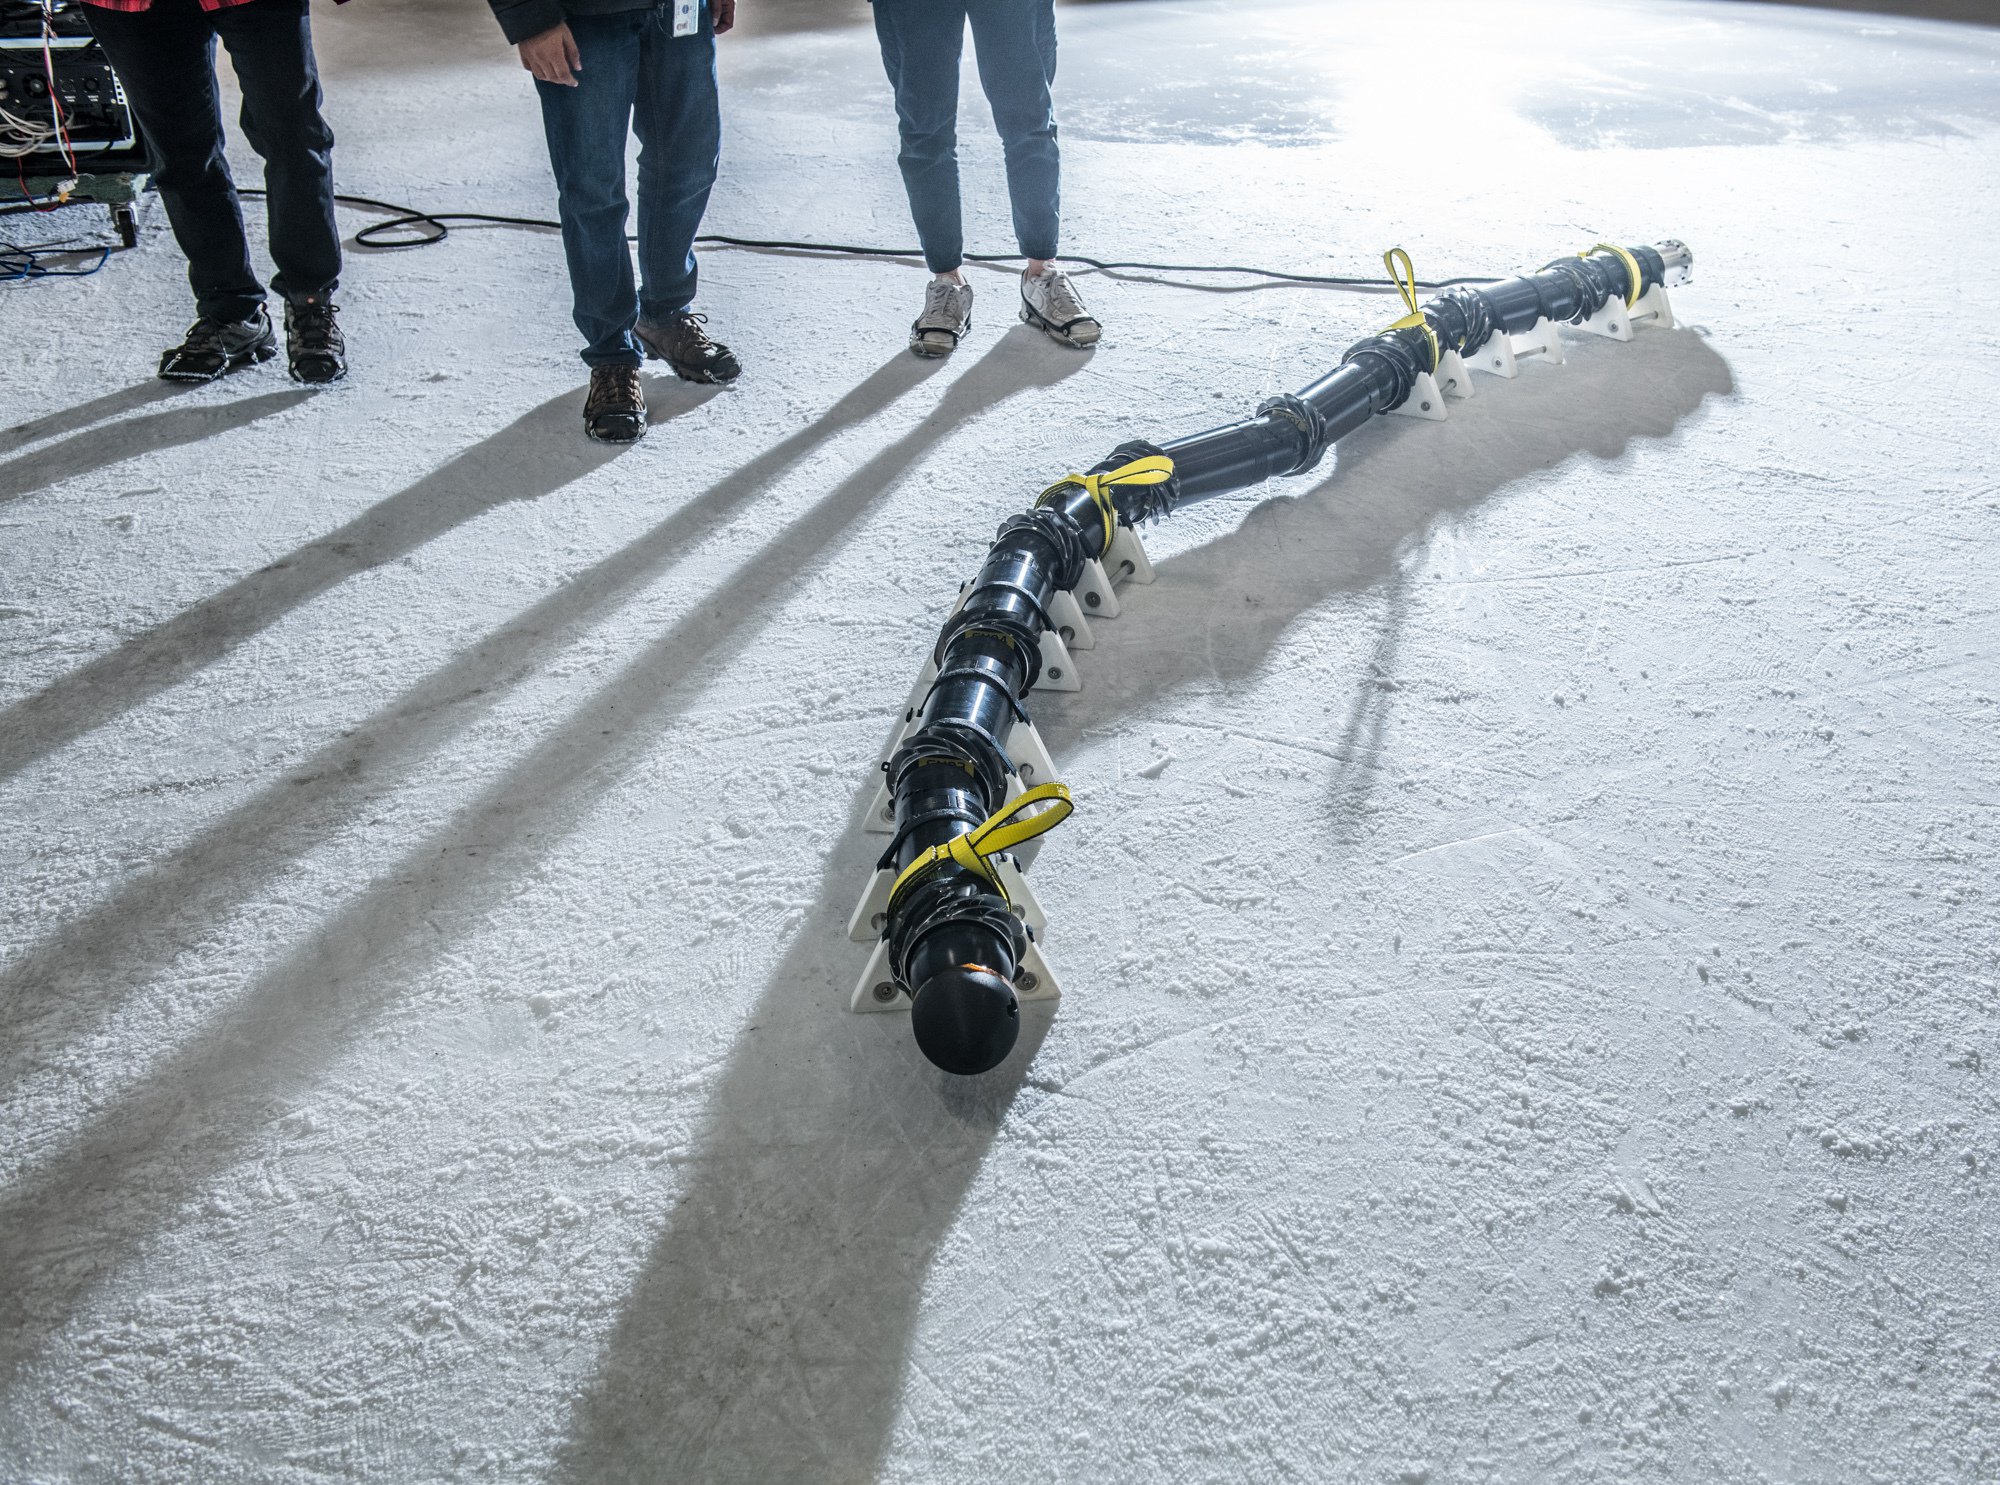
(1049, 301)
(615, 410)
(946, 320)
(215, 348)
(684, 345)
(313, 346)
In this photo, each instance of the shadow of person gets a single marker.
(100, 447)
(1229, 601)
(78, 1212)
(132, 932)
(533, 456)
(766, 1336)
(765, 1339)
(96, 410)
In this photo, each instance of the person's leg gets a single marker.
(922, 41)
(680, 135)
(1015, 44)
(680, 138)
(270, 46)
(587, 126)
(166, 60)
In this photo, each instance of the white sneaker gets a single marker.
(1049, 301)
(946, 320)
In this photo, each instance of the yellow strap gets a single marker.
(1002, 830)
(1632, 275)
(1154, 469)
(1404, 273)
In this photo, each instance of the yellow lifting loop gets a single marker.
(1154, 469)
(1632, 274)
(1404, 272)
(1004, 829)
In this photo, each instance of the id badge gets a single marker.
(686, 22)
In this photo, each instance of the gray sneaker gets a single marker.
(946, 320)
(1049, 301)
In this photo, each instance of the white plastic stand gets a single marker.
(1031, 755)
(1058, 669)
(1496, 357)
(1034, 980)
(1426, 400)
(1070, 622)
(1096, 592)
(1126, 561)
(1454, 377)
(1540, 339)
(871, 914)
(877, 990)
(1653, 306)
(1503, 353)
(1612, 321)
(881, 818)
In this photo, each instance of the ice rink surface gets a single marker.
(1529, 925)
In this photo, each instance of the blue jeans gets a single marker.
(638, 77)
(1015, 42)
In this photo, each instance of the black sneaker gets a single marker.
(215, 348)
(615, 410)
(313, 347)
(685, 346)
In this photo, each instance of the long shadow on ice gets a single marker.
(533, 456)
(80, 1213)
(96, 448)
(96, 410)
(62, 990)
(1229, 601)
(766, 1337)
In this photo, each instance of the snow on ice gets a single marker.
(1529, 924)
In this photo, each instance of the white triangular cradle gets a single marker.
(1094, 597)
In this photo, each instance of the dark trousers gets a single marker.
(166, 58)
(637, 77)
(1015, 43)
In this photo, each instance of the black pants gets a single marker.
(166, 58)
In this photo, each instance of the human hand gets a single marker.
(552, 56)
(723, 13)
